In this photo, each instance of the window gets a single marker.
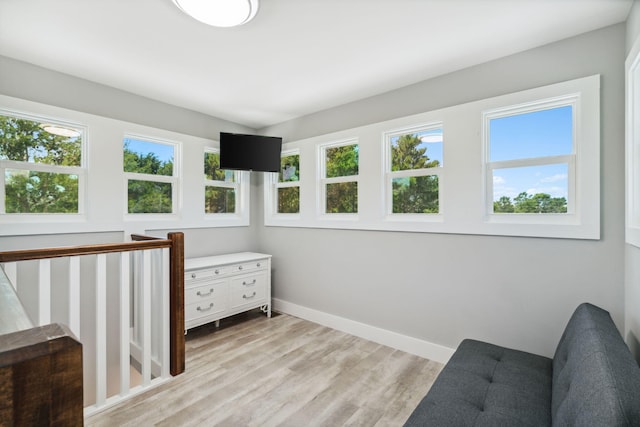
(288, 185)
(414, 162)
(531, 158)
(150, 175)
(220, 186)
(339, 177)
(520, 164)
(41, 165)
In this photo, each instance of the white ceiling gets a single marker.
(296, 57)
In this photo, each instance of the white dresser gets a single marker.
(220, 286)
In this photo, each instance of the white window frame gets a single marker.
(323, 181)
(389, 175)
(272, 184)
(582, 220)
(174, 180)
(464, 205)
(568, 159)
(236, 186)
(79, 171)
(632, 137)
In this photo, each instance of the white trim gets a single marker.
(323, 181)
(104, 209)
(174, 179)
(117, 399)
(271, 186)
(389, 175)
(428, 350)
(240, 185)
(80, 171)
(632, 145)
(570, 100)
(462, 183)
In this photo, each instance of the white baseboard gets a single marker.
(391, 339)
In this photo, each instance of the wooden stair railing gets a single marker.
(41, 379)
(176, 298)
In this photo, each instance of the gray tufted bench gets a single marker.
(592, 380)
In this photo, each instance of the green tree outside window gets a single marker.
(218, 199)
(419, 193)
(342, 161)
(30, 191)
(143, 195)
(289, 196)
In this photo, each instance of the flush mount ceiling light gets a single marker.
(220, 13)
(60, 130)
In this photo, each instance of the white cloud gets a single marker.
(554, 178)
(498, 180)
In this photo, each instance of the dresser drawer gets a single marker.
(253, 296)
(248, 266)
(201, 275)
(204, 291)
(204, 308)
(248, 282)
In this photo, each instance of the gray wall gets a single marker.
(27, 81)
(632, 253)
(517, 292)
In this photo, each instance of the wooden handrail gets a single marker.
(175, 242)
(32, 254)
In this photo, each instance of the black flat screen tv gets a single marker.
(250, 152)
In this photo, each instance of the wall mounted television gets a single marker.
(250, 152)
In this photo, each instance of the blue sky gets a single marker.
(164, 152)
(531, 135)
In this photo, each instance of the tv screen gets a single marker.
(250, 152)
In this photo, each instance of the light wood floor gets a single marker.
(283, 371)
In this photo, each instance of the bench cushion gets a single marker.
(488, 385)
(596, 381)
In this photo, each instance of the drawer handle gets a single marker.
(250, 296)
(249, 284)
(239, 267)
(193, 275)
(258, 265)
(217, 271)
(205, 309)
(200, 294)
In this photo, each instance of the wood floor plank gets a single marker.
(282, 371)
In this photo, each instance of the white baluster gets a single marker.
(146, 319)
(164, 318)
(74, 295)
(101, 329)
(125, 323)
(44, 292)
